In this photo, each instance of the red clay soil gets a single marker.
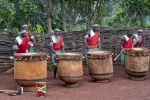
(118, 88)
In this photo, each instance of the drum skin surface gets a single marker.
(70, 68)
(100, 65)
(28, 71)
(137, 63)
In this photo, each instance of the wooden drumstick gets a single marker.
(118, 55)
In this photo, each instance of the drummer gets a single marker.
(31, 37)
(92, 41)
(138, 38)
(57, 47)
(21, 42)
(126, 42)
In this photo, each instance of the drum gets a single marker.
(69, 67)
(137, 62)
(30, 68)
(41, 88)
(100, 65)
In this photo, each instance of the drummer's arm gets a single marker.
(142, 39)
(32, 38)
(134, 41)
(99, 40)
(63, 45)
(85, 39)
(15, 46)
(86, 42)
(51, 46)
(122, 42)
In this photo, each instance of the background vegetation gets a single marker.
(73, 15)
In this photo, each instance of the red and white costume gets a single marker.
(93, 39)
(128, 42)
(56, 42)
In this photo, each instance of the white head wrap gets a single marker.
(140, 30)
(24, 25)
(96, 25)
(23, 31)
(57, 29)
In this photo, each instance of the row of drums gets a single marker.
(30, 68)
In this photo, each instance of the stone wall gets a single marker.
(74, 42)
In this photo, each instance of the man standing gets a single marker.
(21, 42)
(57, 47)
(31, 38)
(126, 42)
(138, 39)
(92, 41)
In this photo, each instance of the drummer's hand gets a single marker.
(54, 52)
(15, 47)
(99, 49)
(88, 46)
(123, 50)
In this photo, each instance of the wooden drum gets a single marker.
(70, 68)
(100, 65)
(137, 63)
(30, 68)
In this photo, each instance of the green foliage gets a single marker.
(148, 25)
(79, 14)
(7, 11)
(116, 19)
(1, 20)
(15, 30)
(38, 29)
(134, 9)
(28, 6)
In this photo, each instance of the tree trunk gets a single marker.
(63, 16)
(101, 21)
(49, 24)
(125, 21)
(64, 26)
(7, 25)
(71, 27)
(134, 20)
(101, 16)
(141, 19)
(90, 23)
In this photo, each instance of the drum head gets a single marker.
(30, 56)
(70, 55)
(137, 51)
(99, 54)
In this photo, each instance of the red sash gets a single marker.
(92, 41)
(24, 45)
(128, 44)
(138, 43)
(58, 45)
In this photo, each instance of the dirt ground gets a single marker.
(118, 88)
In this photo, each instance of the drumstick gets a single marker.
(118, 55)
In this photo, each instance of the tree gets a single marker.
(30, 8)
(139, 7)
(7, 11)
(48, 9)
